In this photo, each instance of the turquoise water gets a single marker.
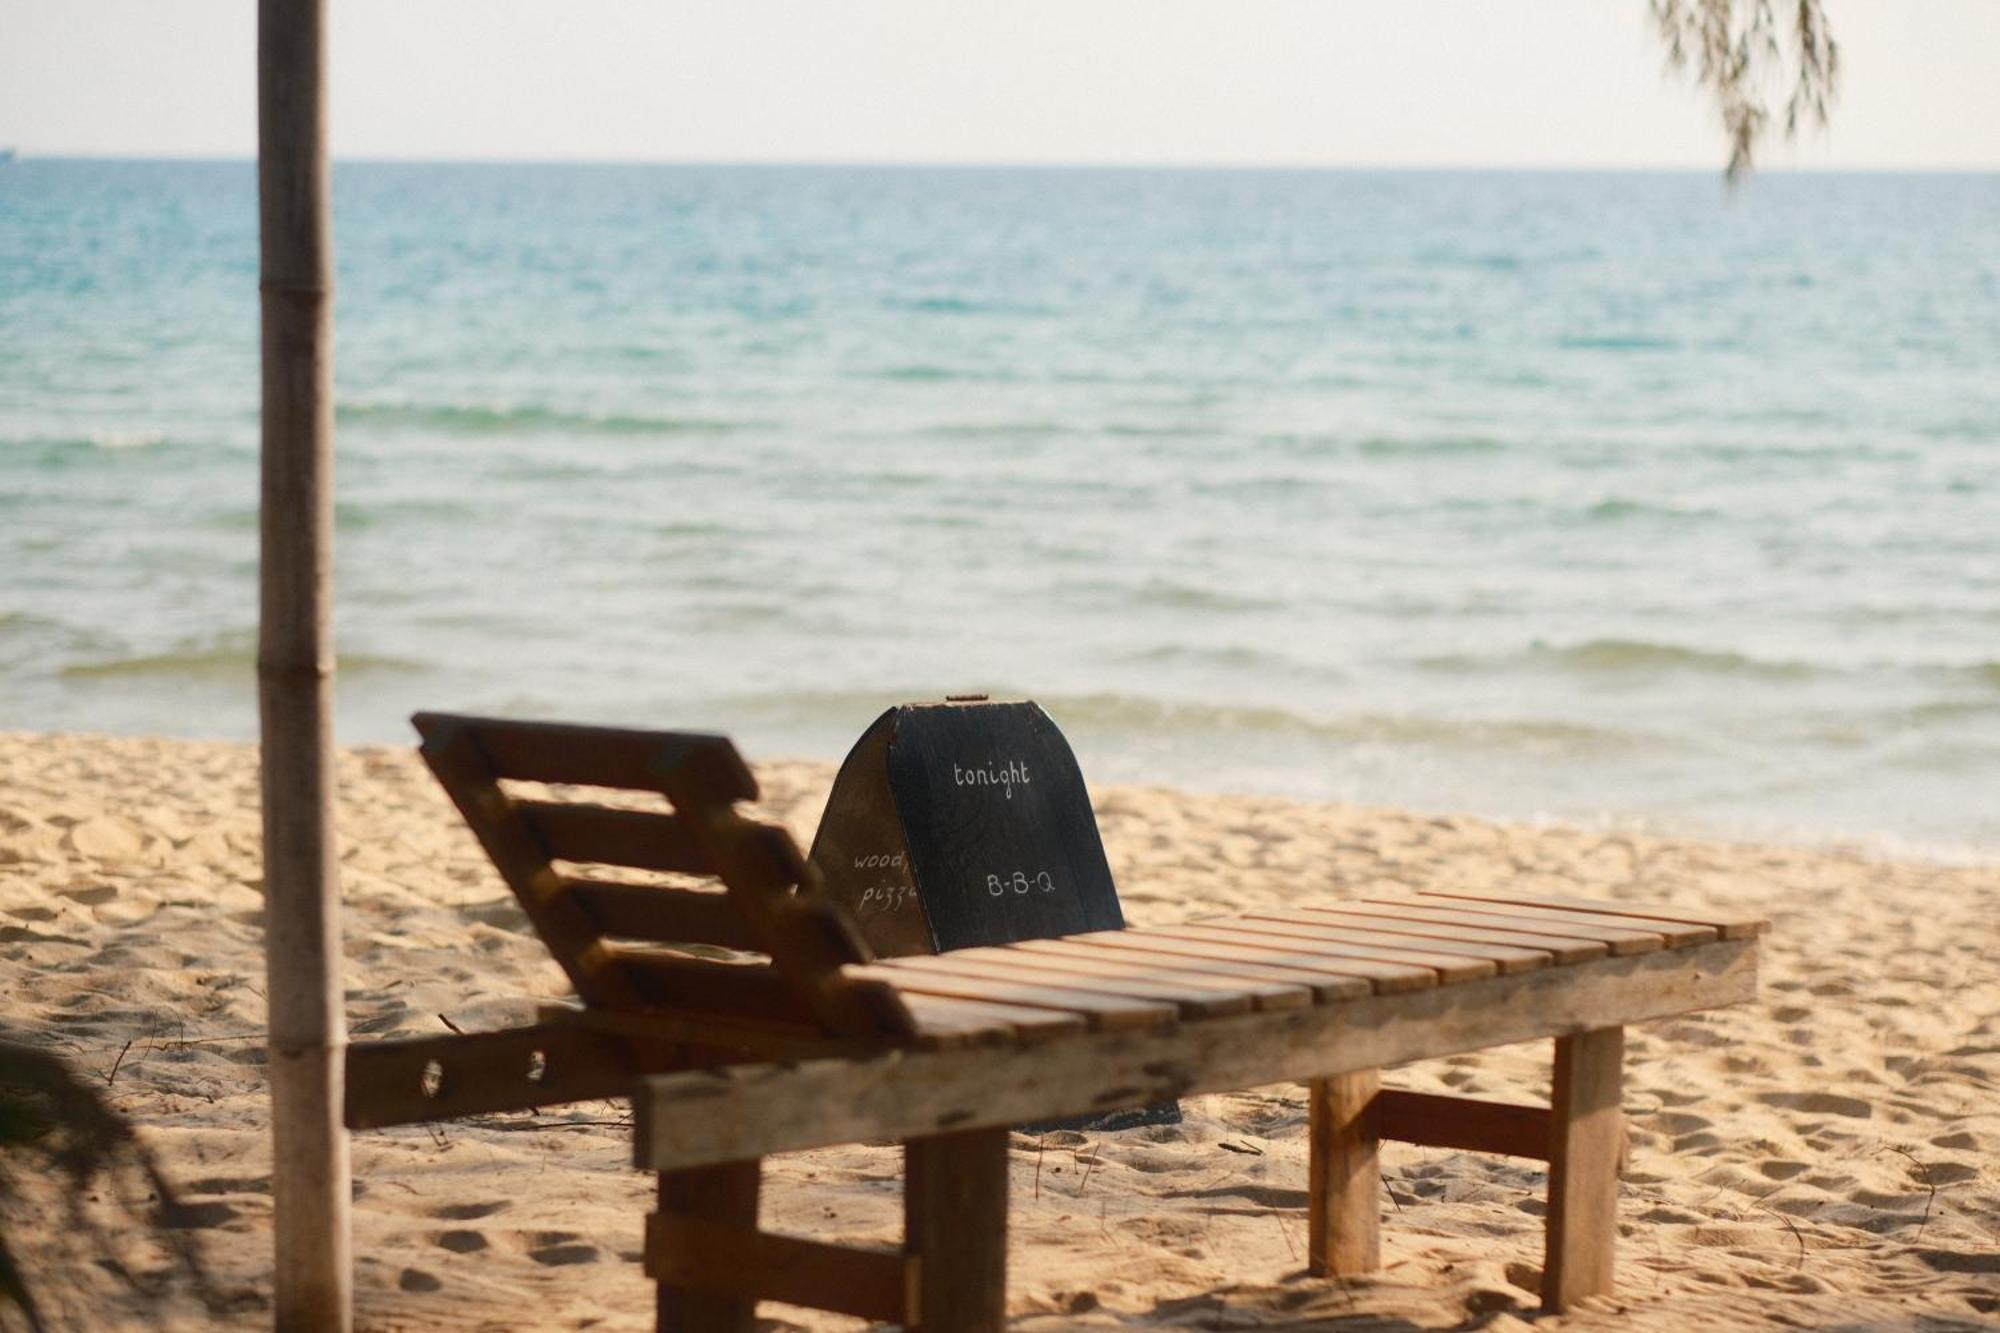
(1593, 496)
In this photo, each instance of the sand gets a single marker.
(1826, 1157)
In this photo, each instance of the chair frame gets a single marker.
(798, 1039)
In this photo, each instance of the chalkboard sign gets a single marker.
(966, 823)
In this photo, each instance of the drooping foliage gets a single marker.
(1749, 58)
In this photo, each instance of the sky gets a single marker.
(1250, 82)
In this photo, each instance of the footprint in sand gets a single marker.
(90, 895)
(1961, 1261)
(462, 1241)
(557, 1255)
(229, 1185)
(467, 1212)
(197, 1216)
(416, 1279)
(107, 838)
(1265, 1197)
(1819, 1103)
(1679, 1122)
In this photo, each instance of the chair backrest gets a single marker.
(545, 844)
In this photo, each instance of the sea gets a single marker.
(1626, 499)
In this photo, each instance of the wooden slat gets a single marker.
(483, 1072)
(601, 756)
(604, 835)
(1305, 939)
(1269, 991)
(1466, 1124)
(950, 1015)
(1617, 940)
(523, 861)
(1102, 1012)
(725, 1114)
(1466, 930)
(1508, 958)
(1329, 979)
(1192, 1000)
(1640, 916)
(1633, 934)
(698, 1255)
(660, 913)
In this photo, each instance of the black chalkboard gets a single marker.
(965, 823)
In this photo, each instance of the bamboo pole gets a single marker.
(309, 1166)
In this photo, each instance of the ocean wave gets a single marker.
(1153, 716)
(107, 440)
(532, 418)
(993, 430)
(1983, 673)
(965, 305)
(1148, 716)
(231, 659)
(1616, 342)
(1613, 508)
(57, 449)
(1386, 445)
(125, 439)
(1139, 430)
(1236, 657)
(919, 374)
(1623, 656)
(1944, 712)
(1167, 594)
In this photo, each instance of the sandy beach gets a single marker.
(1826, 1157)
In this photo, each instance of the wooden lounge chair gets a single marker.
(794, 1038)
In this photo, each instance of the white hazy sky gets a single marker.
(1418, 82)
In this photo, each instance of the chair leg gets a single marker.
(726, 1195)
(1586, 1137)
(955, 1223)
(1344, 1187)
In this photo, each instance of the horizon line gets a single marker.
(1038, 164)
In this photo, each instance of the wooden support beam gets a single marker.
(1584, 1145)
(1468, 1124)
(423, 1079)
(955, 1226)
(695, 1255)
(310, 1190)
(752, 1110)
(1344, 1193)
(722, 1196)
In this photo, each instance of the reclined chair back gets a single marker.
(605, 926)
